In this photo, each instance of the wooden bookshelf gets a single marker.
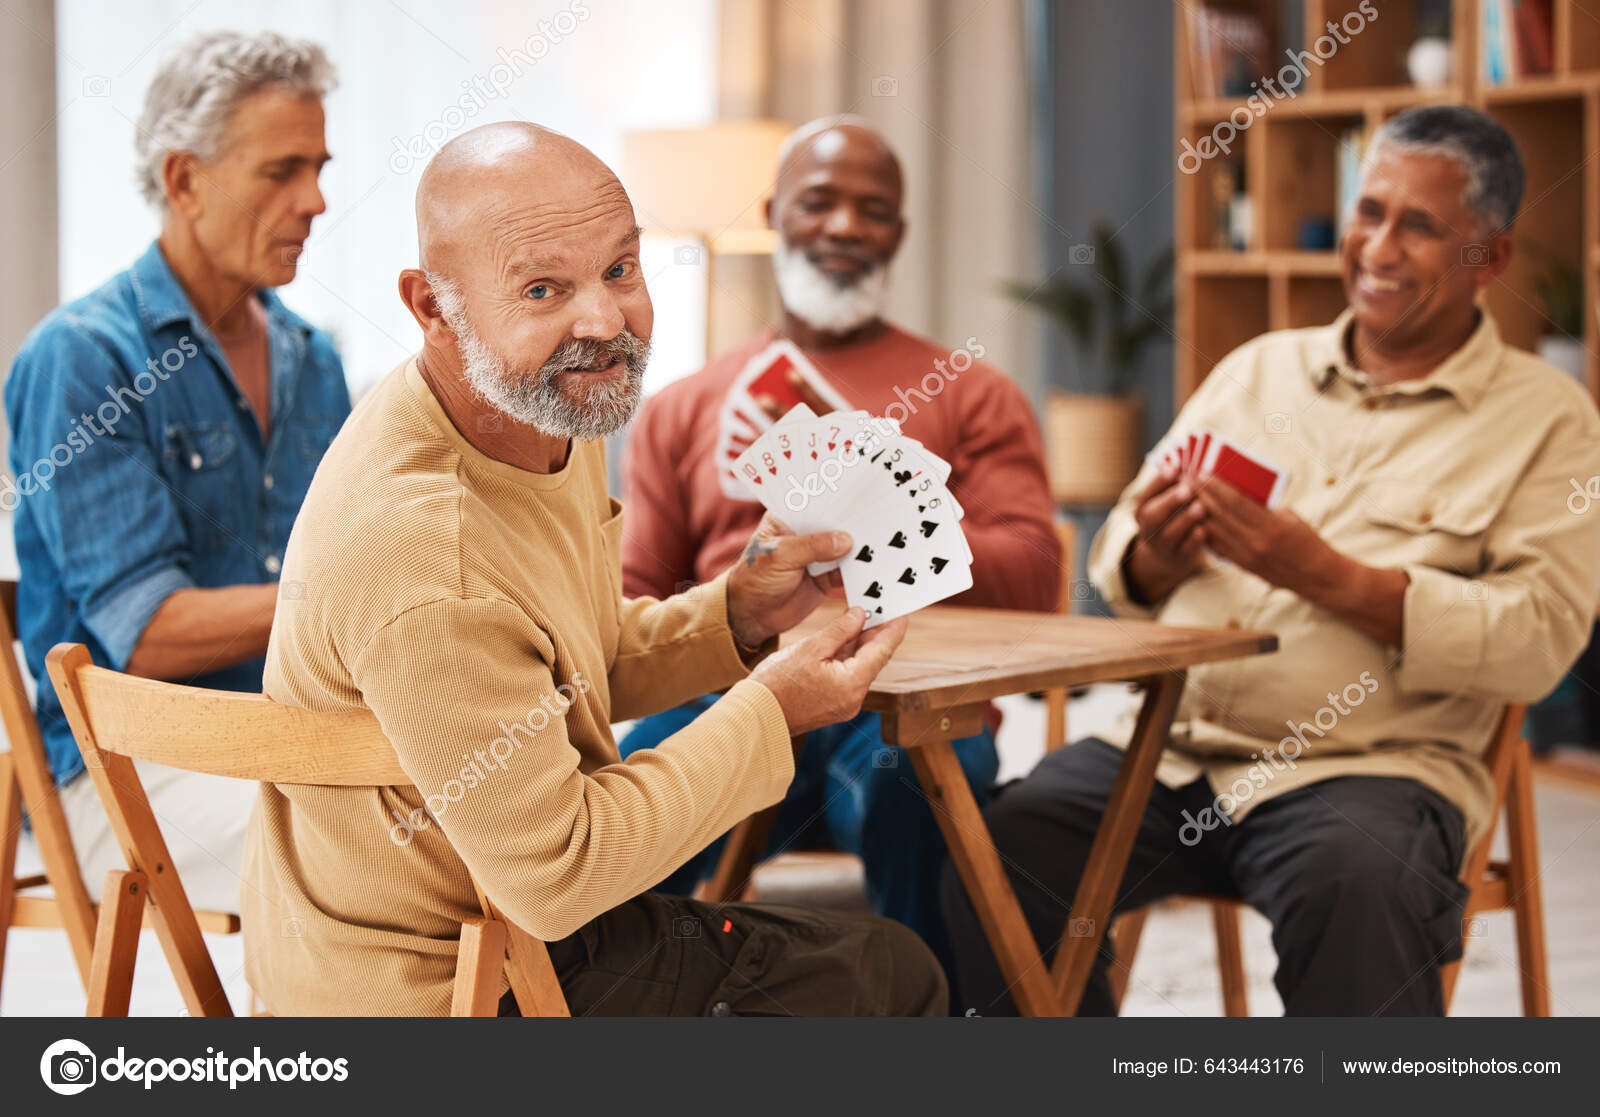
(1289, 154)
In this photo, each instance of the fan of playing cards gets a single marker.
(848, 471)
(1209, 454)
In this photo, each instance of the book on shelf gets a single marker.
(1227, 51)
(1518, 40)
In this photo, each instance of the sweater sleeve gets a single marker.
(998, 475)
(551, 845)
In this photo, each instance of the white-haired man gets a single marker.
(837, 209)
(166, 426)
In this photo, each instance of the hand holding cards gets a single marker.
(848, 471)
(1208, 454)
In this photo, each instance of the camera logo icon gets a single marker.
(1081, 254)
(97, 85)
(1474, 255)
(292, 928)
(885, 86)
(886, 758)
(685, 927)
(1082, 590)
(686, 254)
(67, 1067)
(491, 423)
(1279, 423)
(1474, 591)
(1080, 927)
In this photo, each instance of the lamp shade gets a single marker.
(706, 182)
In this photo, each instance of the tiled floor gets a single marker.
(1175, 974)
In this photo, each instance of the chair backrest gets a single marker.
(118, 718)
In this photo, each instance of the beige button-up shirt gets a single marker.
(1475, 480)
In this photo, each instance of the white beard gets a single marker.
(531, 396)
(814, 297)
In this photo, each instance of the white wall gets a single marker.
(589, 68)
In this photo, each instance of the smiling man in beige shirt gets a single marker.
(1424, 569)
(456, 572)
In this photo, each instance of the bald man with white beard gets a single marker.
(458, 553)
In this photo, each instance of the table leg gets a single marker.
(1108, 857)
(927, 737)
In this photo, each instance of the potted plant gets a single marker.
(1092, 428)
(1560, 288)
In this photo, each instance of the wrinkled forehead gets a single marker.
(523, 231)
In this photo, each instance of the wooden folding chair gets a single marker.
(734, 876)
(118, 719)
(26, 783)
(1495, 886)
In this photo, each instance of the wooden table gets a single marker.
(934, 690)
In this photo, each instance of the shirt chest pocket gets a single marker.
(1409, 525)
(202, 463)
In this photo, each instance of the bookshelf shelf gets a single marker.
(1294, 163)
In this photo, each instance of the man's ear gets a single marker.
(180, 179)
(1500, 248)
(417, 293)
(899, 239)
(767, 209)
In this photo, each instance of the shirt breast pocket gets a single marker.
(1428, 529)
(202, 464)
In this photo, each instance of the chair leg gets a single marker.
(10, 829)
(1230, 958)
(116, 943)
(478, 968)
(1125, 934)
(1527, 895)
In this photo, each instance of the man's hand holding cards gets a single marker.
(848, 471)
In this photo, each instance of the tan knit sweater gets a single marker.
(476, 609)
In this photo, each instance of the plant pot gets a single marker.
(1091, 447)
(1566, 353)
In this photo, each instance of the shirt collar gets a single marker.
(1465, 374)
(162, 301)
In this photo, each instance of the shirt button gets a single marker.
(721, 1008)
(266, 482)
(272, 564)
(195, 461)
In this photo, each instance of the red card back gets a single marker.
(774, 383)
(1250, 477)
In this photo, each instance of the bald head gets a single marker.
(833, 139)
(492, 175)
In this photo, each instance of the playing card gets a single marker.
(1257, 479)
(767, 375)
(905, 565)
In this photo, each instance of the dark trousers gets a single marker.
(1357, 875)
(660, 955)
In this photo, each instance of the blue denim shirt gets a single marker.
(140, 470)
